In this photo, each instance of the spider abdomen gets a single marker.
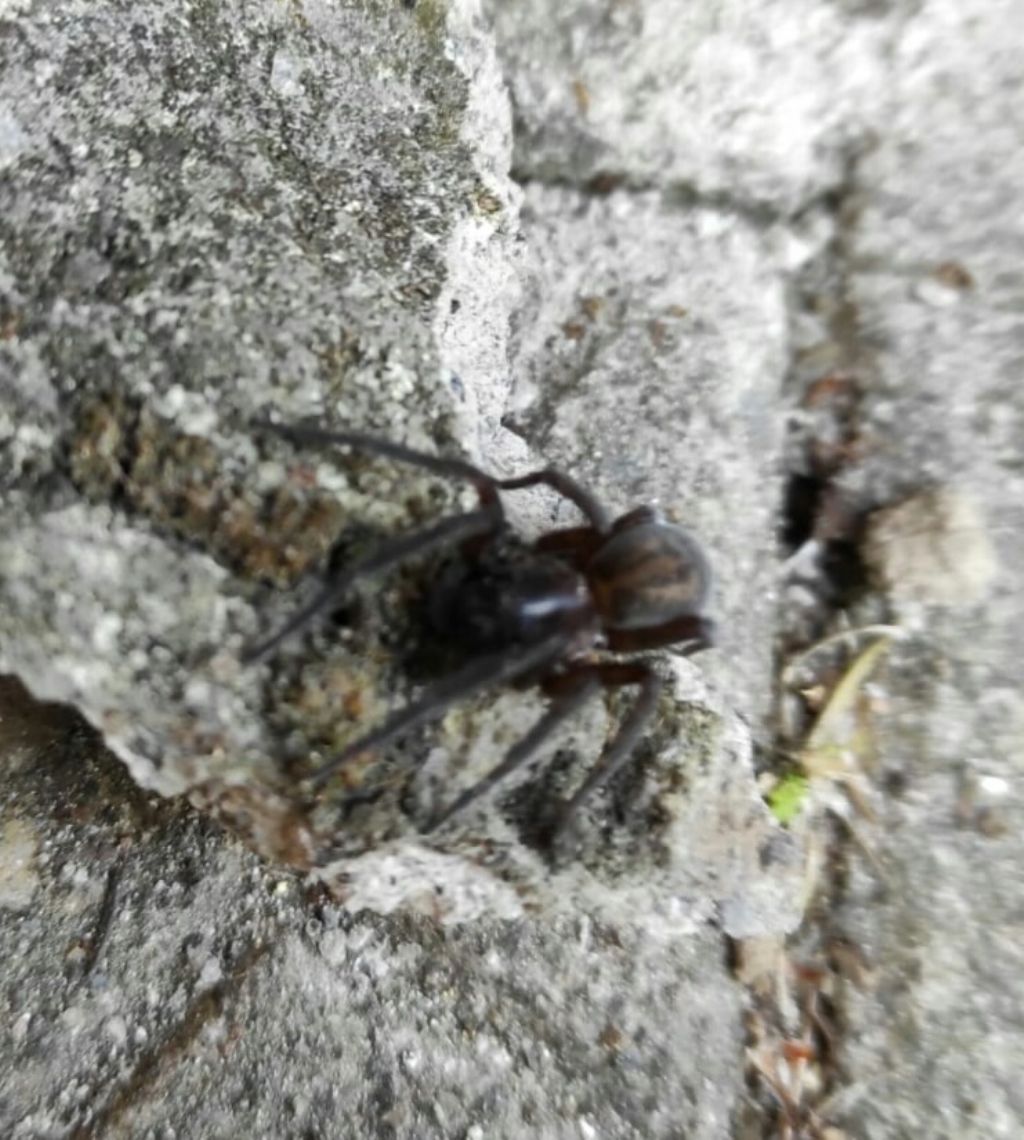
(647, 575)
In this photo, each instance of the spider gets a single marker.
(530, 614)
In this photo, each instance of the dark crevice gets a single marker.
(823, 514)
(158, 1062)
(683, 196)
(801, 504)
(686, 195)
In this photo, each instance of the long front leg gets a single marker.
(483, 673)
(453, 529)
(574, 697)
(486, 485)
(568, 488)
(620, 747)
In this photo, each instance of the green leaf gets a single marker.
(786, 799)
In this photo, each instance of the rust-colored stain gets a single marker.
(581, 94)
(955, 275)
(658, 332)
(592, 306)
(611, 1038)
(177, 481)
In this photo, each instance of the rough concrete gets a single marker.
(206, 214)
(269, 253)
(934, 258)
(159, 978)
(754, 105)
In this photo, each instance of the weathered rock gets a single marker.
(936, 1046)
(259, 251)
(208, 215)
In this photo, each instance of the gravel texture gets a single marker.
(618, 238)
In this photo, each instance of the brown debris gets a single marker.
(177, 481)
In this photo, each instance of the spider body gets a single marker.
(508, 594)
(647, 574)
(532, 613)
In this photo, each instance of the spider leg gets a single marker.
(449, 529)
(622, 744)
(519, 753)
(690, 633)
(566, 486)
(482, 673)
(485, 485)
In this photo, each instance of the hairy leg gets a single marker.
(570, 702)
(448, 530)
(620, 747)
(482, 673)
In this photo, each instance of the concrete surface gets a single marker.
(179, 513)
(161, 980)
(206, 214)
(936, 1047)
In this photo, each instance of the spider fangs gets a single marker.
(531, 615)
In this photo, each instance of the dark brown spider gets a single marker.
(532, 614)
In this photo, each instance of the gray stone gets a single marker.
(207, 216)
(934, 549)
(167, 981)
(757, 106)
(210, 214)
(259, 250)
(936, 1047)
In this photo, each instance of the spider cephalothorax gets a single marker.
(534, 613)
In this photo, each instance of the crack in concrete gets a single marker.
(157, 1062)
